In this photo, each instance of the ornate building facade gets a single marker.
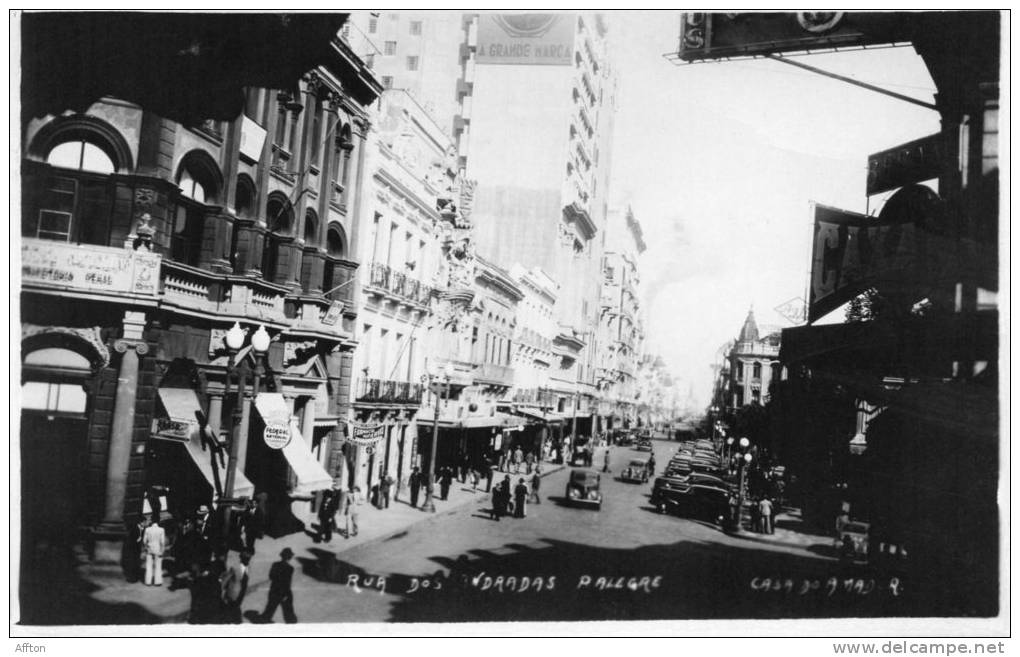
(143, 242)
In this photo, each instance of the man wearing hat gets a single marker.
(280, 594)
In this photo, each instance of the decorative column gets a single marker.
(132, 346)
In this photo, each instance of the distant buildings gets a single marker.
(750, 364)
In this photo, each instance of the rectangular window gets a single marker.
(53, 221)
(53, 397)
(412, 63)
(186, 240)
(415, 28)
(387, 81)
(390, 48)
(373, 25)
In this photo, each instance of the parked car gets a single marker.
(644, 445)
(858, 533)
(583, 488)
(686, 498)
(636, 470)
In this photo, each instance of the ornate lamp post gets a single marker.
(447, 374)
(260, 345)
(745, 463)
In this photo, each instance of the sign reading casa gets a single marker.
(534, 39)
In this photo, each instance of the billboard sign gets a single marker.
(89, 268)
(529, 39)
(906, 164)
(710, 36)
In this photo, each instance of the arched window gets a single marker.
(279, 219)
(336, 249)
(73, 205)
(80, 155)
(199, 180)
(311, 234)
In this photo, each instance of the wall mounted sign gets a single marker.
(531, 39)
(89, 268)
(276, 436)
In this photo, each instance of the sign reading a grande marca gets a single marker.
(533, 39)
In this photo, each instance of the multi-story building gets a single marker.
(620, 326)
(143, 242)
(534, 357)
(548, 76)
(753, 365)
(397, 240)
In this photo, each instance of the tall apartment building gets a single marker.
(621, 332)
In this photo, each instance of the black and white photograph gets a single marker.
(585, 320)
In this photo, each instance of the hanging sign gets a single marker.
(363, 435)
(277, 436)
(336, 309)
(177, 430)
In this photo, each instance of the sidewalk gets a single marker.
(106, 582)
(789, 532)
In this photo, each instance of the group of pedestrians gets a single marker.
(339, 508)
(515, 460)
(508, 499)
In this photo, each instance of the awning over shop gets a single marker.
(537, 414)
(181, 405)
(311, 476)
(497, 421)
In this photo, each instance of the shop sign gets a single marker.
(168, 428)
(530, 39)
(333, 314)
(90, 268)
(913, 162)
(901, 250)
(253, 137)
(713, 36)
(277, 436)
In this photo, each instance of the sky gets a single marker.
(720, 162)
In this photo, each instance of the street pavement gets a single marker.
(624, 562)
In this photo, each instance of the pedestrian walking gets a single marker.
(385, 488)
(490, 468)
(280, 594)
(415, 483)
(529, 462)
(536, 484)
(520, 499)
(154, 544)
(465, 467)
(233, 588)
(497, 500)
(327, 515)
(605, 465)
(475, 479)
(354, 502)
(765, 516)
(518, 460)
(445, 480)
(205, 595)
(504, 495)
(254, 524)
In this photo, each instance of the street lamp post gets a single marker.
(430, 504)
(260, 345)
(745, 463)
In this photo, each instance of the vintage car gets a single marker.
(857, 533)
(688, 498)
(644, 445)
(637, 470)
(583, 489)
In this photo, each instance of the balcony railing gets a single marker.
(388, 391)
(399, 284)
(535, 397)
(496, 374)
